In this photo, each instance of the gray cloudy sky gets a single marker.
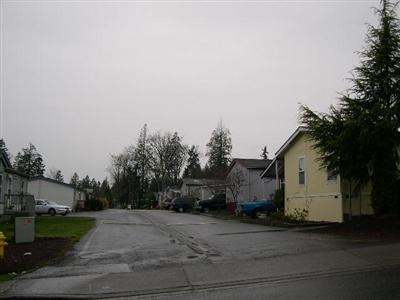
(80, 78)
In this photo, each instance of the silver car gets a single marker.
(49, 207)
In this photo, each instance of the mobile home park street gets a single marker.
(165, 255)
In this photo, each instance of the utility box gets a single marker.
(24, 230)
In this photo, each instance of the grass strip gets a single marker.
(72, 228)
(69, 229)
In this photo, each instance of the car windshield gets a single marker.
(51, 202)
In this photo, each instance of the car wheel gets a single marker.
(52, 212)
(206, 209)
(180, 209)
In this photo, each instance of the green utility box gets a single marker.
(24, 229)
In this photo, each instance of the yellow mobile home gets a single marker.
(313, 191)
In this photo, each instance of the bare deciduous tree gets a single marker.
(234, 183)
(168, 157)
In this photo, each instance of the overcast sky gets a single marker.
(79, 79)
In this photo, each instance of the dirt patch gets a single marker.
(27, 256)
(366, 228)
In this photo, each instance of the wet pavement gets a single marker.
(166, 255)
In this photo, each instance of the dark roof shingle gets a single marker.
(253, 163)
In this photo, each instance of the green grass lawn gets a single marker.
(64, 227)
(72, 228)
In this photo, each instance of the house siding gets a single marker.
(253, 185)
(61, 194)
(359, 203)
(11, 184)
(201, 192)
(269, 187)
(201, 188)
(319, 198)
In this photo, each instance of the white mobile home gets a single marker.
(13, 190)
(62, 193)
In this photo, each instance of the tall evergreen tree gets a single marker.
(85, 183)
(104, 188)
(95, 186)
(193, 168)
(59, 177)
(219, 150)
(55, 174)
(4, 148)
(29, 161)
(360, 139)
(105, 192)
(142, 160)
(74, 180)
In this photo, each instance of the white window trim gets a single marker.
(305, 170)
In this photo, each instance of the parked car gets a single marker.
(182, 204)
(43, 206)
(256, 207)
(216, 201)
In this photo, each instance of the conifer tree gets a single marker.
(219, 150)
(74, 180)
(193, 168)
(30, 161)
(360, 138)
(142, 160)
(4, 148)
(59, 177)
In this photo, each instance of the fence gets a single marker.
(19, 203)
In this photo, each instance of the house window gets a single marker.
(331, 175)
(9, 185)
(302, 170)
(15, 185)
(22, 186)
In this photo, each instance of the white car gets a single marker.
(49, 207)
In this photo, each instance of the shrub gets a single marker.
(279, 198)
(299, 215)
(104, 203)
(96, 204)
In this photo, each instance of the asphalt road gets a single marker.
(166, 255)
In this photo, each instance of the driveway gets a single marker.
(162, 254)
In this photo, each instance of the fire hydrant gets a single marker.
(3, 243)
